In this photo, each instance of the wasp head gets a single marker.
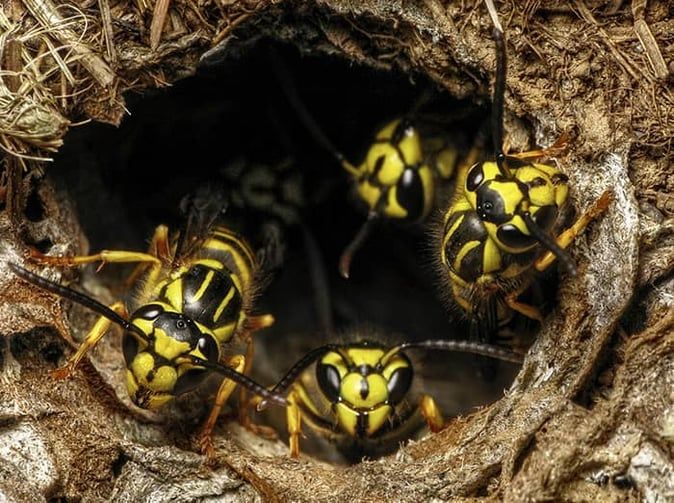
(159, 364)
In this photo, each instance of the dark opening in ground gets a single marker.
(126, 181)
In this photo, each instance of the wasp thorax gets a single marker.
(160, 362)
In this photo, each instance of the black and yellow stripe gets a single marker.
(214, 287)
(397, 176)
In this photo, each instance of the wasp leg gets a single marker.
(97, 332)
(159, 247)
(527, 310)
(567, 237)
(105, 256)
(431, 413)
(557, 148)
(205, 439)
(294, 421)
(245, 404)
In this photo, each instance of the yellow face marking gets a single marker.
(396, 363)
(391, 168)
(352, 385)
(347, 418)
(131, 383)
(146, 326)
(141, 365)
(510, 193)
(410, 146)
(223, 304)
(164, 379)
(336, 360)
(377, 418)
(168, 347)
(369, 193)
(364, 356)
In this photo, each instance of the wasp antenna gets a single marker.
(292, 374)
(549, 243)
(476, 348)
(77, 297)
(290, 91)
(355, 244)
(240, 379)
(498, 100)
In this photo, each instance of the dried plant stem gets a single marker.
(47, 15)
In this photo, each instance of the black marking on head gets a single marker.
(364, 388)
(179, 327)
(475, 178)
(545, 217)
(129, 347)
(490, 205)
(329, 381)
(209, 348)
(362, 423)
(399, 384)
(410, 193)
(512, 237)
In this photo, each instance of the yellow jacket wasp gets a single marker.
(358, 392)
(195, 297)
(498, 227)
(398, 176)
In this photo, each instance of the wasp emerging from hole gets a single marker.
(498, 227)
(398, 176)
(358, 392)
(195, 297)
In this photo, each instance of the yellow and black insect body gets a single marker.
(358, 393)
(399, 173)
(195, 297)
(499, 225)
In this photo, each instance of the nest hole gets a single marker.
(125, 181)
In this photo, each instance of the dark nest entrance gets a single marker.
(589, 415)
(232, 117)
